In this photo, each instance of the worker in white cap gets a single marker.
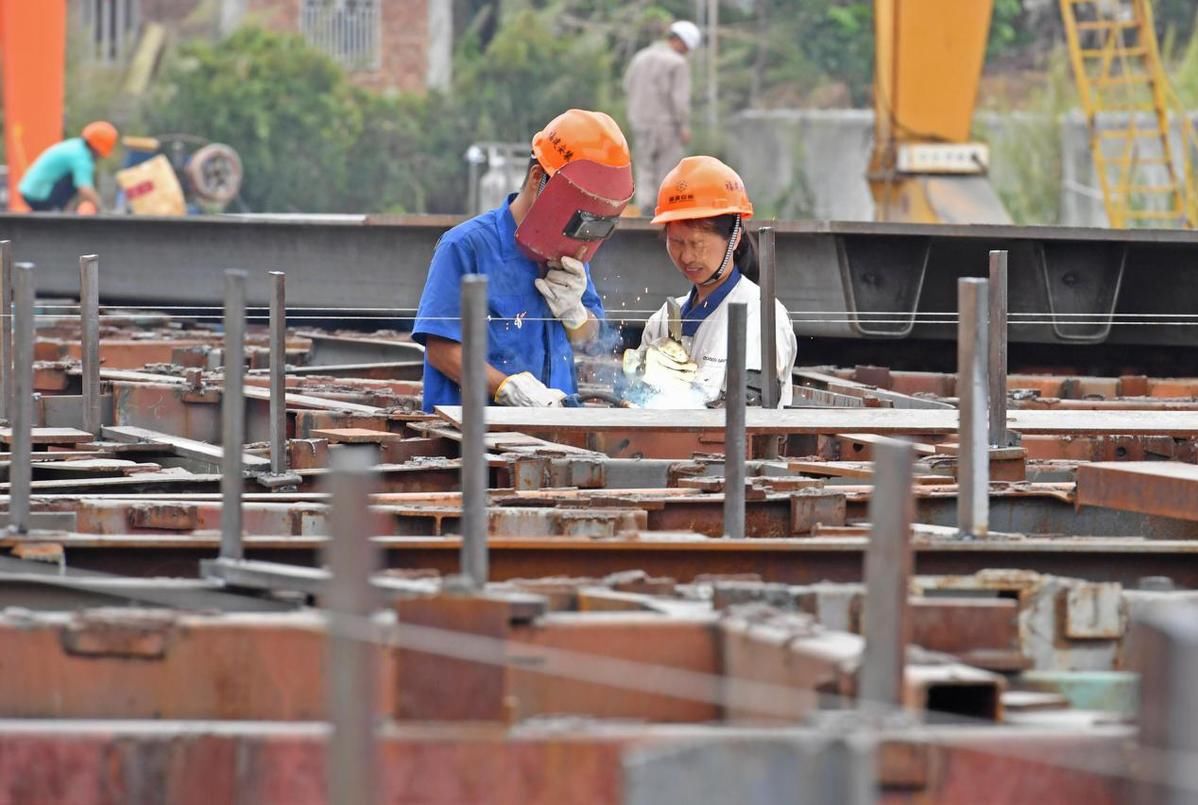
(658, 86)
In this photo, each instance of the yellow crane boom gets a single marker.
(928, 62)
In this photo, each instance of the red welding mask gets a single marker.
(575, 212)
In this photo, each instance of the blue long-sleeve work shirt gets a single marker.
(523, 335)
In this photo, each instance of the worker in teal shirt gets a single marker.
(68, 169)
(539, 309)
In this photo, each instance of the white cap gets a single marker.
(688, 32)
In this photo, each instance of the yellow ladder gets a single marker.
(1146, 178)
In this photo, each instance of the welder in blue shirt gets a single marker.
(533, 250)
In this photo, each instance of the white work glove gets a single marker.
(661, 364)
(563, 286)
(525, 390)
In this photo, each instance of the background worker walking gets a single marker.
(658, 86)
(68, 169)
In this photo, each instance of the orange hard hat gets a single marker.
(580, 134)
(701, 187)
(101, 136)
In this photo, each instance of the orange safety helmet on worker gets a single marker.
(587, 184)
(704, 187)
(101, 136)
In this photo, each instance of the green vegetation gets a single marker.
(312, 141)
(1025, 147)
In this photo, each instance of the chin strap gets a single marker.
(732, 241)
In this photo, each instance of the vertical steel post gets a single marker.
(232, 405)
(843, 768)
(21, 411)
(278, 373)
(888, 565)
(998, 348)
(474, 557)
(973, 456)
(6, 328)
(713, 67)
(349, 601)
(734, 423)
(767, 279)
(1165, 639)
(89, 319)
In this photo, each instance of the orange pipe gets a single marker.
(33, 62)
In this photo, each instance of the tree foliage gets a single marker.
(312, 141)
(286, 108)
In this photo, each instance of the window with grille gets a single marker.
(110, 26)
(347, 30)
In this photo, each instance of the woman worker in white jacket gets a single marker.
(703, 204)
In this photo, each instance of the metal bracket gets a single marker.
(874, 288)
(119, 632)
(282, 481)
(1082, 286)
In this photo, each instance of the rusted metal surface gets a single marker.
(981, 632)
(804, 561)
(612, 597)
(96, 763)
(1167, 489)
(163, 665)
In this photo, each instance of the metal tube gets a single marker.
(973, 454)
(349, 600)
(21, 413)
(278, 373)
(89, 319)
(841, 763)
(998, 348)
(767, 265)
(5, 328)
(713, 67)
(232, 405)
(1166, 656)
(474, 558)
(887, 573)
(734, 424)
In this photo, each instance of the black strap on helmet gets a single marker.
(732, 240)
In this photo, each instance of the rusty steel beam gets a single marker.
(794, 561)
(1167, 489)
(179, 758)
